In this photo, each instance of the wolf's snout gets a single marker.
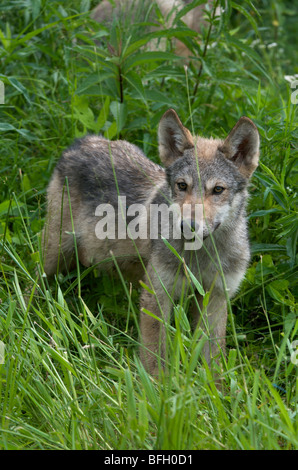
(188, 227)
(191, 224)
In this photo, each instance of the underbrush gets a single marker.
(71, 378)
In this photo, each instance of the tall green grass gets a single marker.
(71, 377)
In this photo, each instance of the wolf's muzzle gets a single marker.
(188, 228)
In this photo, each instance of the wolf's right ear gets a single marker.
(242, 146)
(173, 138)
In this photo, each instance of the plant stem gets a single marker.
(120, 83)
(204, 52)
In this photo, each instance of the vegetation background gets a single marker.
(70, 378)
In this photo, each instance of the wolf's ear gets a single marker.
(173, 138)
(242, 146)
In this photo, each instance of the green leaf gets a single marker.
(249, 17)
(59, 357)
(186, 9)
(206, 299)
(26, 185)
(195, 281)
(146, 288)
(154, 95)
(131, 403)
(181, 317)
(276, 290)
(149, 57)
(165, 33)
(152, 314)
(83, 113)
(4, 230)
(6, 127)
(264, 212)
(35, 257)
(119, 112)
(6, 41)
(111, 131)
(119, 373)
(250, 54)
(103, 115)
(11, 309)
(262, 247)
(88, 85)
(4, 206)
(9, 205)
(136, 83)
(21, 39)
(283, 411)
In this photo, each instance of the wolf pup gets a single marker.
(99, 185)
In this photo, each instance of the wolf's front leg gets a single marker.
(213, 320)
(153, 332)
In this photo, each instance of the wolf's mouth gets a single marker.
(196, 235)
(215, 228)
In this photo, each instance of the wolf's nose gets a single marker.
(188, 225)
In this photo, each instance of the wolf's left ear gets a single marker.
(242, 146)
(173, 138)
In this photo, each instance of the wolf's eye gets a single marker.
(218, 189)
(182, 186)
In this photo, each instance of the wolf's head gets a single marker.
(210, 174)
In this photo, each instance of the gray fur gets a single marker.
(90, 166)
